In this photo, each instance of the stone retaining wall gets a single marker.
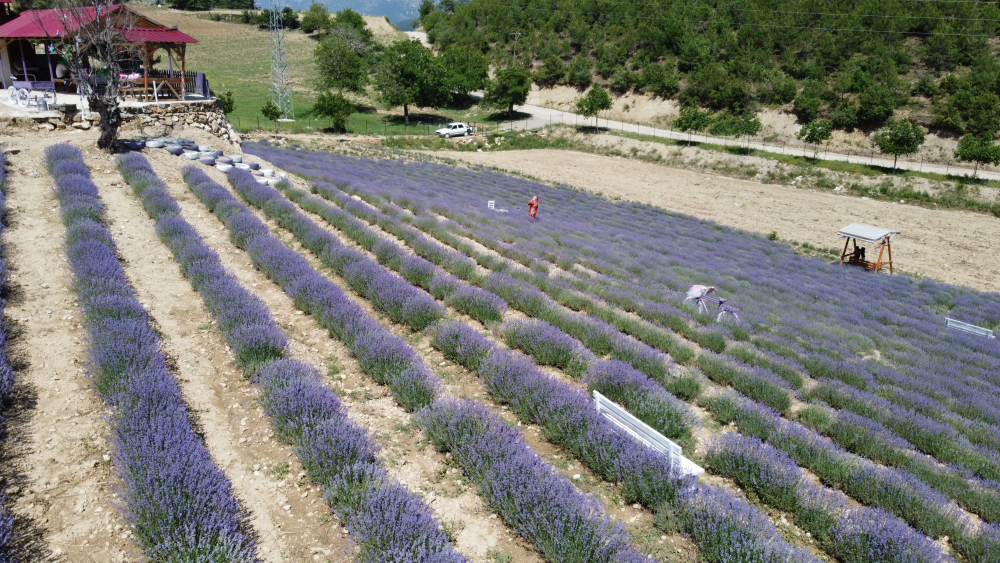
(150, 120)
(169, 120)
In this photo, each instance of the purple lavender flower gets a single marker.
(6, 372)
(337, 454)
(548, 345)
(535, 501)
(179, 503)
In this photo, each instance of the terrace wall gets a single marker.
(149, 120)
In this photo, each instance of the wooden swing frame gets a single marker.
(871, 235)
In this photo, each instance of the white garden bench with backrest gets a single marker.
(969, 328)
(625, 422)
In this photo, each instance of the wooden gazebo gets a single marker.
(881, 238)
(53, 26)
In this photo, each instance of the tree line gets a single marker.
(404, 74)
(844, 64)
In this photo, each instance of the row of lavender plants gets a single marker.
(779, 295)
(983, 505)
(568, 530)
(179, 503)
(714, 517)
(388, 522)
(6, 372)
(725, 527)
(546, 343)
(870, 439)
(381, 354)
(771, 381)
(769, 390)
(482, 305)
(852, 535)
(892, 490)
(767, 379)
(494, 454)
(598, 335)
(754, 380)
(968, 397)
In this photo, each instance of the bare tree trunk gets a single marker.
(111, 121)
(406, 113)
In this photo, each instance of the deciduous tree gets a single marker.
(354, 20)
(336, 108)
(95, 47)
(510, 88)
(691, 120)
(270, 111)
(408, 74)
(979, 149)
(596, 101)
(317, 18)
(468, 70)
(815, 133)
(898, 137)
(339, 65)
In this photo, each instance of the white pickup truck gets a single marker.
(456, 129)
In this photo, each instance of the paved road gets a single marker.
(542, 117)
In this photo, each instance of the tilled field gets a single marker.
(359, 364)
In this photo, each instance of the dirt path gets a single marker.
(958, 247)
(221, 400)
(58, 468)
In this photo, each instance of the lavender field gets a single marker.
(363, 362)
(848, 376)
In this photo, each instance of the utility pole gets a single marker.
(516, 35)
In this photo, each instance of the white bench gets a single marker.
(641, 431)
(492, 205)
(971, 329)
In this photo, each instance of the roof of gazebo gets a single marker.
(53, 23)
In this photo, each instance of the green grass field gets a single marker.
(237, 57)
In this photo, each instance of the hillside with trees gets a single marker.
(853, 64)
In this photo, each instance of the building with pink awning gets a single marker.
(21, 37)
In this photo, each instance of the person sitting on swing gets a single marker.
(533, 207)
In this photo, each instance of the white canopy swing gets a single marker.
(878, 236)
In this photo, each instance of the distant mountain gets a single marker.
(397, 10)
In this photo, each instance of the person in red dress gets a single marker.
(533, 207)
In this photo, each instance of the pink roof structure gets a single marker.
(53, 23)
